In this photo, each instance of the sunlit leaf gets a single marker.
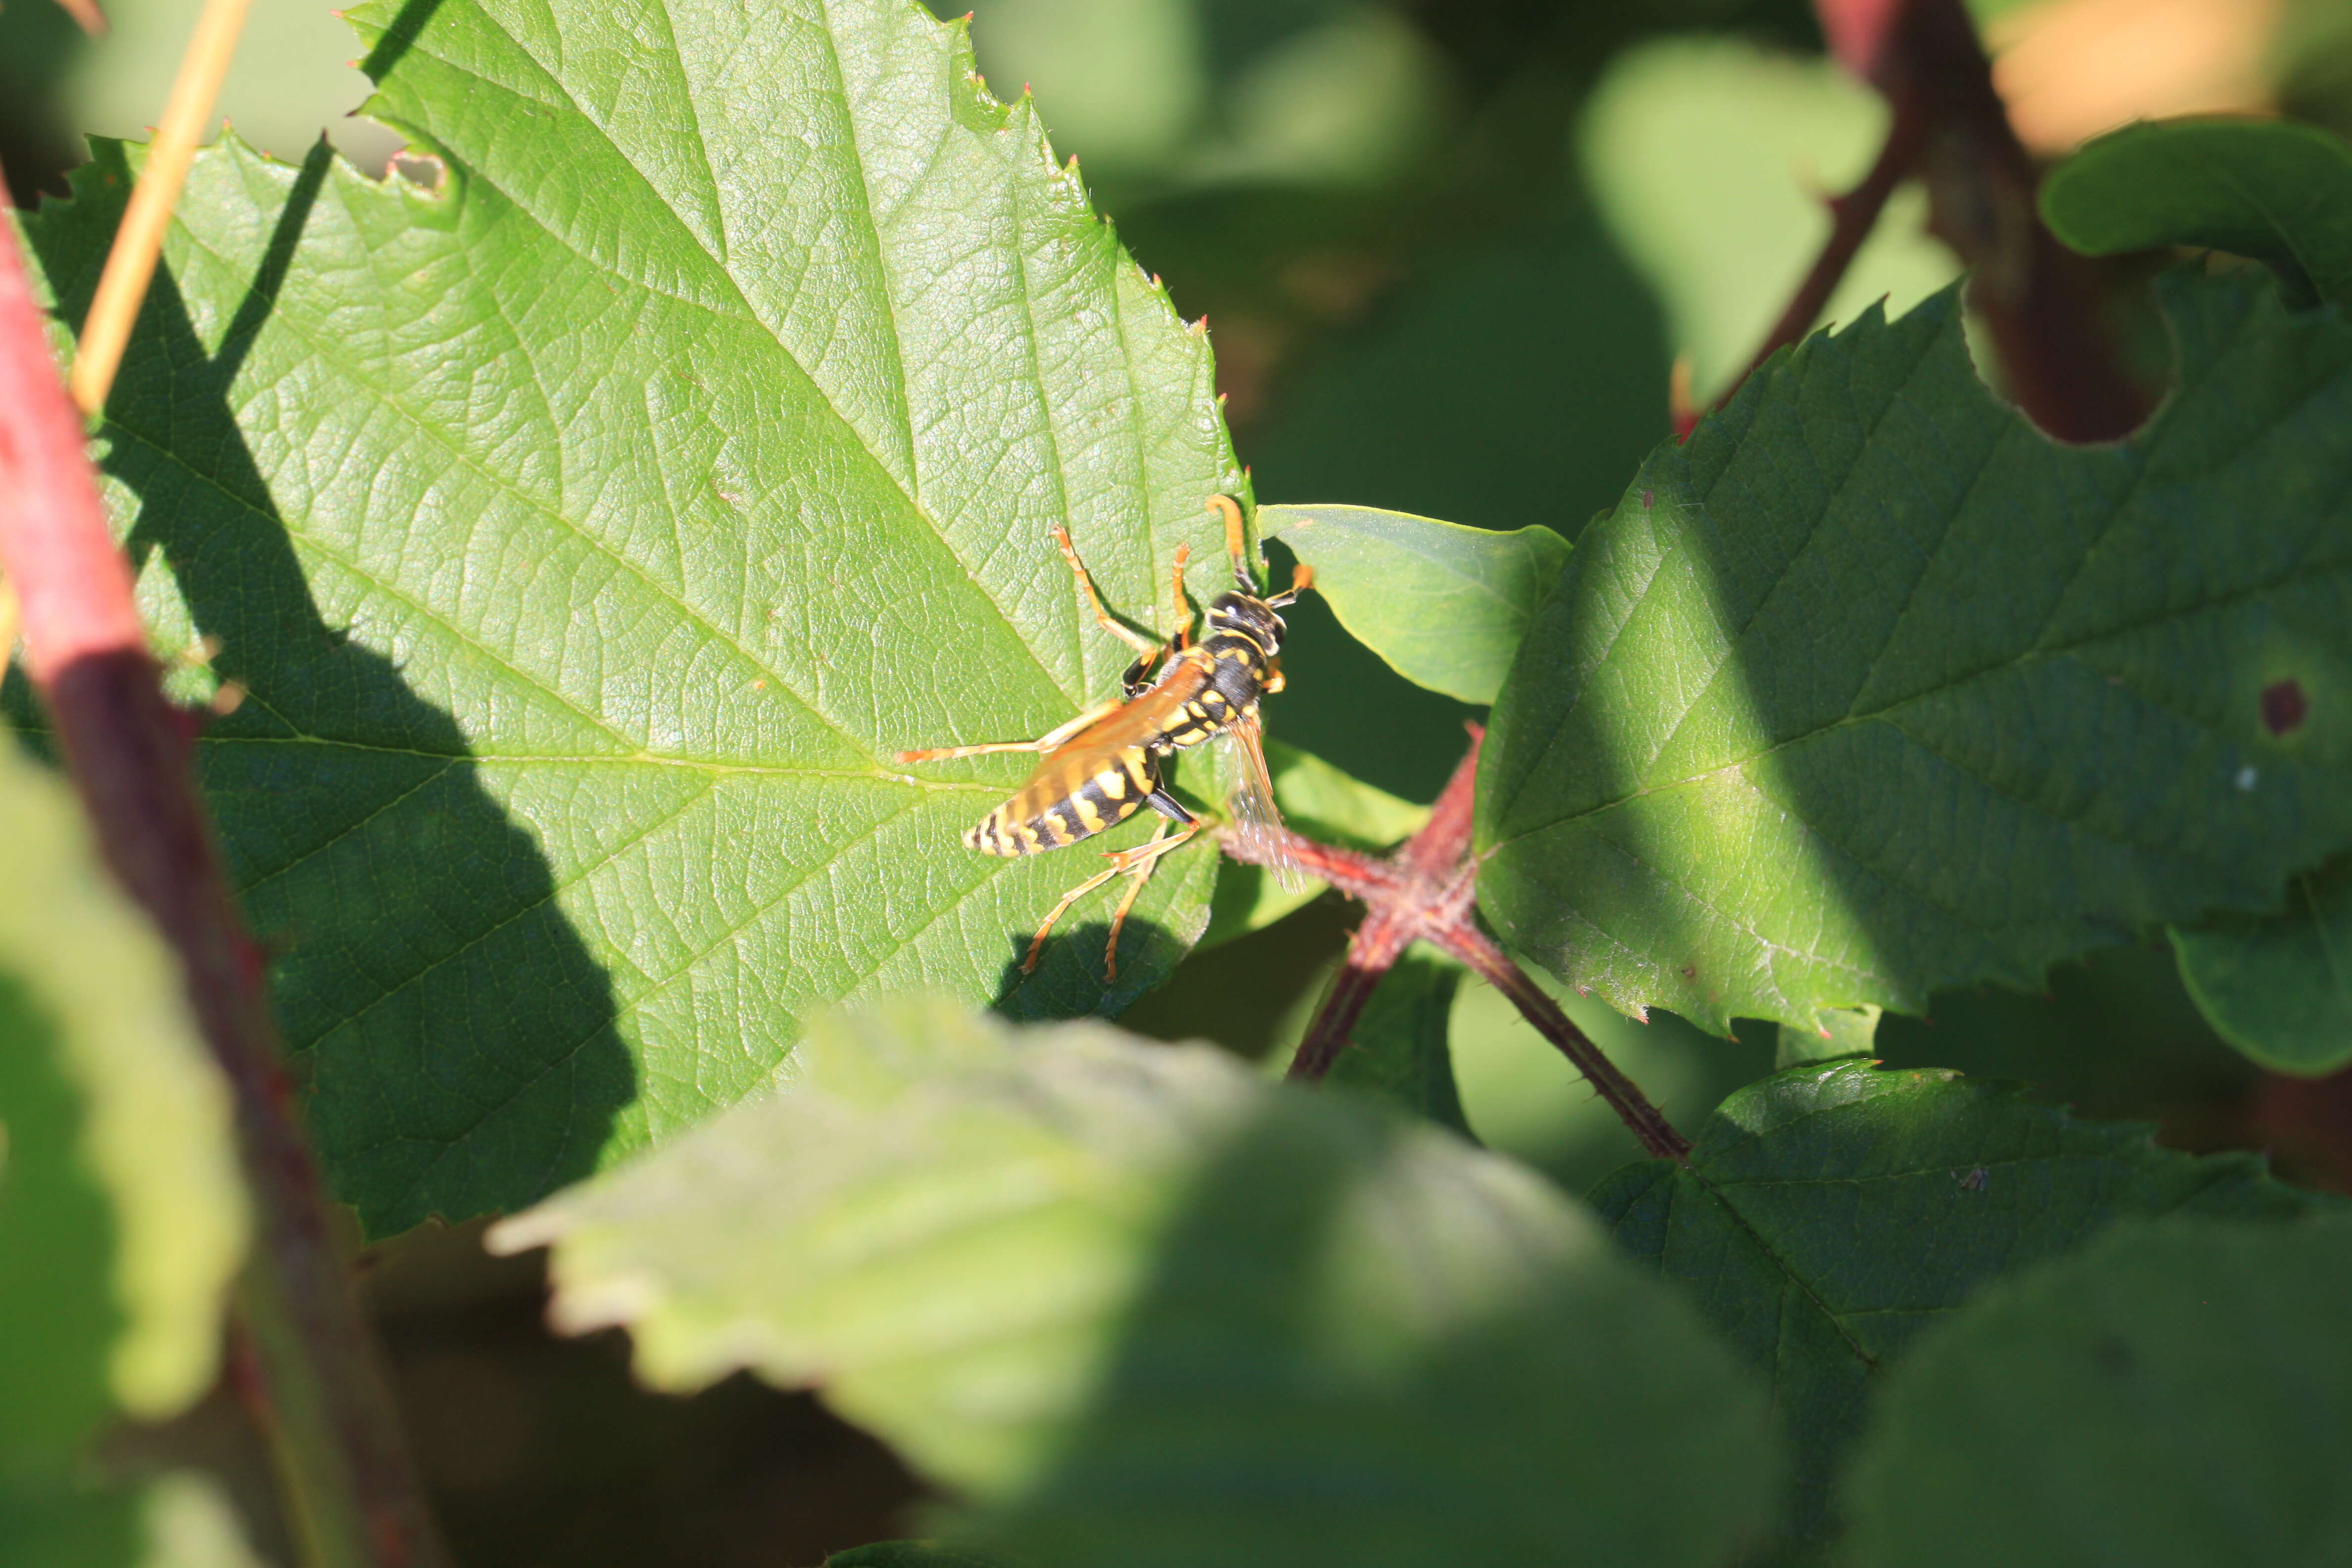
(2176, 1397)
(1831, 1212)
(2262, 188)
(1137, 1304)
(591, 535)
(1870, 688)
(1445, 606)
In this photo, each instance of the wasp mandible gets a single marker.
(1104, 765)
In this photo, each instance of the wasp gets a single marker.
(1103, 766)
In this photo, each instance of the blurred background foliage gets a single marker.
(1451, 252)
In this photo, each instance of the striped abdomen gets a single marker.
(1062, 804)
(1236, 678)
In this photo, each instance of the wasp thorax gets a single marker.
(1242, 613)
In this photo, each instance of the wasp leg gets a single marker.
(1143, 646)
(1181, 633)
(1235, 545)
(1138, 863)
(1045, 743)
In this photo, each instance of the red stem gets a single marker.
(131, 759)
(1853, 216)
(1424, 892)
(2039, 303)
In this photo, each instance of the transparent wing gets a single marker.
(1258, 821)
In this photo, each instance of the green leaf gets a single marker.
(2279, 987)
(913, 1554)
(2279, 192)
(1840, 1032)
(1710, 157)
(592, 534)
(1830, 1213)
(2177, 1397)
(179, 1519)
(121, 1209)
(1870, 689)
(1445, 606)
(1398, 1049)
(1137, 1304)
(1325, 804)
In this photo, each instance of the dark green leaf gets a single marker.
(2262, 188)
(2178, 1396)
(179, 1519)
(1445, 606)
(913, 1554)
(1138, 1305)
(592, 534)
(1870, 688)
(121, 1208)
(1840, 1032)
(1399, 1047)
(1831, 1212)
(2279, 987)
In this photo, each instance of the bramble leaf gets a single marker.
(2279, 987)
(122, 1213)
(181, 1519)
(1445, 606)
(1831, 1212)
(1399, 1048)
(589, 535)
(1870, 688)
(2269, 189)
(1137, 1305)
(2176, 1397)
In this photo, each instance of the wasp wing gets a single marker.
(1258, 821)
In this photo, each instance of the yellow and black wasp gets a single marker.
(1104, 765)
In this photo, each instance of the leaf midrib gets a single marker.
(750, 316)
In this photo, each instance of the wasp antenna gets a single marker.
(1302, 577)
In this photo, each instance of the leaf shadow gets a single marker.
(482, 1067)
(1261, 1399)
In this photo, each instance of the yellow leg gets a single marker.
(1235, 545)
(1138, 863)
(1182, 625)
(1135, 639)
(1045, 743)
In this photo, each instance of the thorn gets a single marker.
(1678, 398)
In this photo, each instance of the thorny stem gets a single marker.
(1424, 892)
(330, 1413)
(2039, 301)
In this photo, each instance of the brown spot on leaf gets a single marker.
(2284, 706)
